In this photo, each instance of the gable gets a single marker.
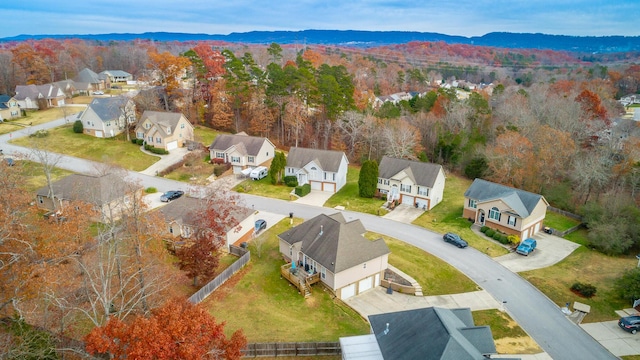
(519, 201)
(252, 144)
(328, 160)
(423, 174)
(98, 190)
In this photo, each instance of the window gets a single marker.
(364, 266)
(405, 188)
(14, 113)
(494, 213)
(182, 126)
(313, 174)
(158, 140)
(220, 155)
(168, 130)
(171, 230)
(379, 181)
(140, 135)
(235, 159)
(147, 125)
(323, 272)
(150, 139)
(290, 250)
(386, 181)
(512, 220)
(251, 159)
(334, 176)
(423, 191)
(472, 204)
(40, 200)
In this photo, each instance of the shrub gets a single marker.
(77, 127)
(484, 229)
(40, 134)
(497, 236)
(139, 142)
(584, 290)
(134, 141)
(514, 239)
(490, 232)
(220, 169)
(476, 168)
(504, 239)
(303, 190)
(155, 150)
(368, 179)
(151, 190)
(291, 181)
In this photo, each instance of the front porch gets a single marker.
(300, 278)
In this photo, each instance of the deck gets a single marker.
(300, 278)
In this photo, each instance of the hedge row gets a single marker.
(155, 150)
(496, 235)
(303, 190)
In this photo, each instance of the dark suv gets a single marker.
(630, 323)
(171, 195)
(455, 239)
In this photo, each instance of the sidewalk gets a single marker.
(174, 157)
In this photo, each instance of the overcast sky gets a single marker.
(451, 17)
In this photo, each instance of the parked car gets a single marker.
(260, 225)
(630, 323)
(455, 239)
(526, 247)
(171, 195)
(98, 93)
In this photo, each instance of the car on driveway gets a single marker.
(455, 239)
(98, 93)
(260, 225)
(630, 323)
(526, 247)
(171, 195)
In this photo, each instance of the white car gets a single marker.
(98, 93)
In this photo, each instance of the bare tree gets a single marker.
(47, 161)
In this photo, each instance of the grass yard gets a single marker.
(447, 217)
(586, 266)
(115, 151)
(507, 334)
(38, 117)
(559, 222)
(434, 275)
(34, 175)
(204, 134)
(196, 170)
(268, 308)
(263, 187)
(349, 196)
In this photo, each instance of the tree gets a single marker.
(78, 128)
(476, 168)
(169, 70)
(368, 180)
(177, 330)
(402, 140)
(277, 166)
(628, 286)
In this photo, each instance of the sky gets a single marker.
(451, 17)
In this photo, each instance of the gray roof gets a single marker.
(335, 243)
(116, 73)
(185, 210)
(88, 76)
(431, 334)
(109, 108)
(98, 190)
(521, 202)
(27, 91)
(163, 119)
(328, 160)
(423, 174)
(4, 99)
(48, 90)
(252, 144)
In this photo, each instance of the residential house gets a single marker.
(116, 76)
(9, 108)
(413, 183)
(52, 94)
(512, 211)
(347, 263)
(108, 194)
(242, 151)
(324, 170)
(166, 130)
(431, 333)
(108, 117)
(29, 97)
(181, 216)
(88, 76)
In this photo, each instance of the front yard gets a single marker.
(39, 117)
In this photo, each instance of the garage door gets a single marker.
(329, 187)
(364, 285)
(536, 229)
(172, 145)
(423, 203)
(316, 185)
(98, 133)
(408, 200)
(348, 291)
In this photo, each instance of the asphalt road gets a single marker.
(534, 312)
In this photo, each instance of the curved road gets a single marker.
(534, 312)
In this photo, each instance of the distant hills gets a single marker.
(357, 38)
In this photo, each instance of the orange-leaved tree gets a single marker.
(177, 330)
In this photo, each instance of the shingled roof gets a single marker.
(423, 174)
(88, 76)
(251, 144)
(335, 243)
(521, 202)
(163, 119)
(431, 334)
(184, 210)
(109, 108)
(27, 91)
(328, 160)
(97, 190)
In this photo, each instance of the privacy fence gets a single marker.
(291, 349)
(206, 290)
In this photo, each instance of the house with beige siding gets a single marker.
(9, 108)
(109, 116)
(242, 151)
(512, 211)
(412, 183)
(182, 220)
(335, 251)
(165, 130)
(324, 170)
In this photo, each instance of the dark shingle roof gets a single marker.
(98, 190)
(521, 202)
(88, 76)
(424, 174)
(27, 91)
(252, 144)
(334, 243)
(108, 108)
(431, 334)
(329, 160)
(4, 99)
(184, 210)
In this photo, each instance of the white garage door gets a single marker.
(348, 291)
(423, 203)
(364, 285)
(407, 200)
(316, 185)
(329, 187)
(536, 229)
(98, 133)
(172, 145)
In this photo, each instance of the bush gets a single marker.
(77, 127)
(151, 190)
(40, 134)
(490, 232)
(134, 141)
(513, 239)
(497, 236)
(476, 168)
(155, 150)
(484, 229)
(291, 181)
(584, 290)
(368, 179)
(139, 142)
(303, 190)
(220, 169)
(504, 239)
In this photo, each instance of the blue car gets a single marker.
(455, 239)
(526, 247)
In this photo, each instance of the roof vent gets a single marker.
(321, 229)
(386, 331)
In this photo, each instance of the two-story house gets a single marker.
(166, 130)
(324, 170)
(108, 117)
(413, 183)
(9, 108)
(512, 211)
(241, 151)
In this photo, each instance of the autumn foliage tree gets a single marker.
(177, 330)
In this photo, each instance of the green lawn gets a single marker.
(447, 217)
(507, 334)
(38, 117)
(115, 151)
(34, 175)
(263, 187)
(349, 196)
(204, 134)
(559, 222)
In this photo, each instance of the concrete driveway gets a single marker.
(616, 340)
(315, 198)
(550, 250)
(404, 213)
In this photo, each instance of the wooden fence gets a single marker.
(567, 214)
(291, 349)
(206, 290)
